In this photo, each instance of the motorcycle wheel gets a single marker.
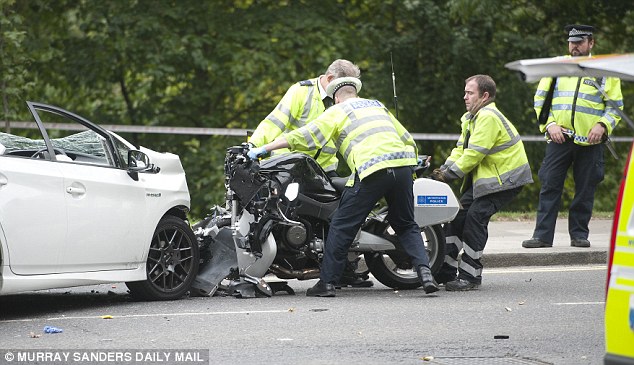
(394, 269)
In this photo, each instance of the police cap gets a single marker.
(577, 32)
(337, 84)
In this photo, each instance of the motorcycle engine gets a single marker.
(296, 236)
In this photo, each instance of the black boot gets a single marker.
(425, 276)
(321, 289)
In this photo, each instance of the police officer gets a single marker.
(491, 160)
(381, 153)
(576, 121)
(303, 102)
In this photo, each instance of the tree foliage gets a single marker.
(225, 64)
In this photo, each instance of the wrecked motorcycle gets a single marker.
(276, 218)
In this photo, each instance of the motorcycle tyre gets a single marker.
(383, 270)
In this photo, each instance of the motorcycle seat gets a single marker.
(339, 183)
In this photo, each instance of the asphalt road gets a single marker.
(521, 315)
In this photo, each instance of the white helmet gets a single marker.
(337, 84)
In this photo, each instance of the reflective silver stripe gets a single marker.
(355, 123)
(578, 109)
(448, 164)
(506, 145)
(385, 157)
(596, 98)
(563, 94)
(591, 97)
(329, 150)
(454, 240)
(406, 137)
(515, 178)
(275, 120)
(468, 268)
(609, 116)
(482, 150)
(318, 135)
(541, 92)
(308, 104)
(571, 94)
(370, 132)
(451, 262)
(476, 255)
(514, 137)
(455, 171)
(308, 138)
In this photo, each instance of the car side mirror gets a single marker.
(139, 162)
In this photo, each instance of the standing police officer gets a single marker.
(491, 160)
(381, 153)
(303, 102)
(576, 119)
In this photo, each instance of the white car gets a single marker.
(79, 205)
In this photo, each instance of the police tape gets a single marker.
(104, 356)
(238, 132)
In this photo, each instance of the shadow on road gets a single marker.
(29, 305)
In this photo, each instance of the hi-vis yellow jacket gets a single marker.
(494, 154)
(366, 134)
(577, 97)
(301, 104)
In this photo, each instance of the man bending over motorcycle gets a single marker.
(303, 102)
(382, 154)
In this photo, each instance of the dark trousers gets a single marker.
(587, 170)
(395, 184)
(469, 232)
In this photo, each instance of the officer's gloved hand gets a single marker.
(256, 152)
(437, 175)
(423, 161)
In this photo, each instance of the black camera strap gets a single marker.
(548, 102)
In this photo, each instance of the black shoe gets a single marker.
(535, 243)
(321, 289)
(579, 242)
(461, 285)
(354, 282)
(425, 276)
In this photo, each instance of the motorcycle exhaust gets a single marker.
(284, 273)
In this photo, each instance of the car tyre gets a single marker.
(172, 262)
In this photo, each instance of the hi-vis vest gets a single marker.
(366, 134)
(578, 105)
(301, 104)
(494, 155)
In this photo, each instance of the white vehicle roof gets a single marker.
(616, 65)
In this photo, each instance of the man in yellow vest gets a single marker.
(381, 153)
(491, 160)
(576, 118)
(302, 103)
